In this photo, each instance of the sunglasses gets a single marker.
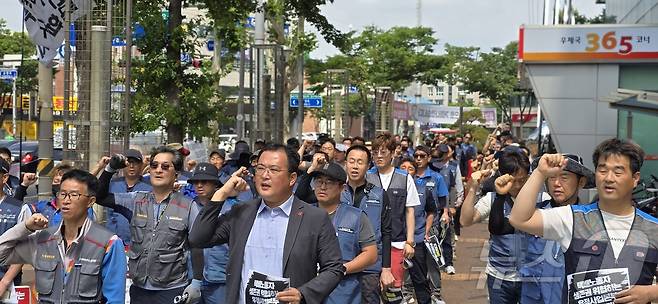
(165, 166)
(420, 155)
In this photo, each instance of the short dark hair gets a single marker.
(408, 159)
(178, 157)
(5, 150)
(292, 156)
(325, 140)
(384, 140)
(359, 138)
(347, 138)
(359, 148)
(83, 177)
(63, 168)
(293, 143)
(621, 147)
(512, 161)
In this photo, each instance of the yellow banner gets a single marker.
(29, 128)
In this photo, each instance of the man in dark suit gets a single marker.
(278, 235)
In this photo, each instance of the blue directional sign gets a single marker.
(210, 44)
(310, 101)
(8, 73)
(251, 22)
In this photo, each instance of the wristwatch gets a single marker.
(411, 243)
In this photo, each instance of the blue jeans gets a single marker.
(503, 292)
(213, 293)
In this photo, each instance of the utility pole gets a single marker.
(417, 135)
(239, 127)
(128, 80)
(547, 12)
(556, 13)
(45, 126)
(300, 97)
(259, 39)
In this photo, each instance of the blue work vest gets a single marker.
(215, 258)
(10, 208)
(543, 270)
(431, 183)
(590, 246)
(347, 222)
(397, 198)
(116, 222)
(507, 252)
(372, 204)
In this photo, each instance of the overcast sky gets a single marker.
(483, 23)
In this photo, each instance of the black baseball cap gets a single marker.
(220, 152)
(331, 170)
(205, 172)
(425, 149)
(132, 153)
(4, 166)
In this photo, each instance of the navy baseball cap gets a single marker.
(331, 170)
(132, 153)
(205, 172)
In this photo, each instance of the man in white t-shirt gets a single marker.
(608, 245)
(507, 246)
(403, 196)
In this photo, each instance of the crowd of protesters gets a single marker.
(342, 220)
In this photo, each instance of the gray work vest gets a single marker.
(83, 284)
(397, 195)
(590, 246)
(159, 248)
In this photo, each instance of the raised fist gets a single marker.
(37, 222)
(29, 179)
(118, 162)
(504, 184)
(551, 164)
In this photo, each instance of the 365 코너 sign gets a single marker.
(588, 43)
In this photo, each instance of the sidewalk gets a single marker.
(468, 285)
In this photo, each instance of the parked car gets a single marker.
(30, 152)
(7, 142)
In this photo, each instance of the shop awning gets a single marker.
(635, 101)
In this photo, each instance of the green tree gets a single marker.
(172, 95)
(17, 43)
(456, 67)
(494, 75)
(477, 130)
(376, 58)
(601, 18)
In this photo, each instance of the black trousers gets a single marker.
(370, 289)
(140, 295)
(418, 274)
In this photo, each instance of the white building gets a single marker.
(442, 94)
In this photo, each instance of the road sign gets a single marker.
(310, 101)
(8, 73)
(210, 44)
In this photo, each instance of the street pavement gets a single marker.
(469, 284)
